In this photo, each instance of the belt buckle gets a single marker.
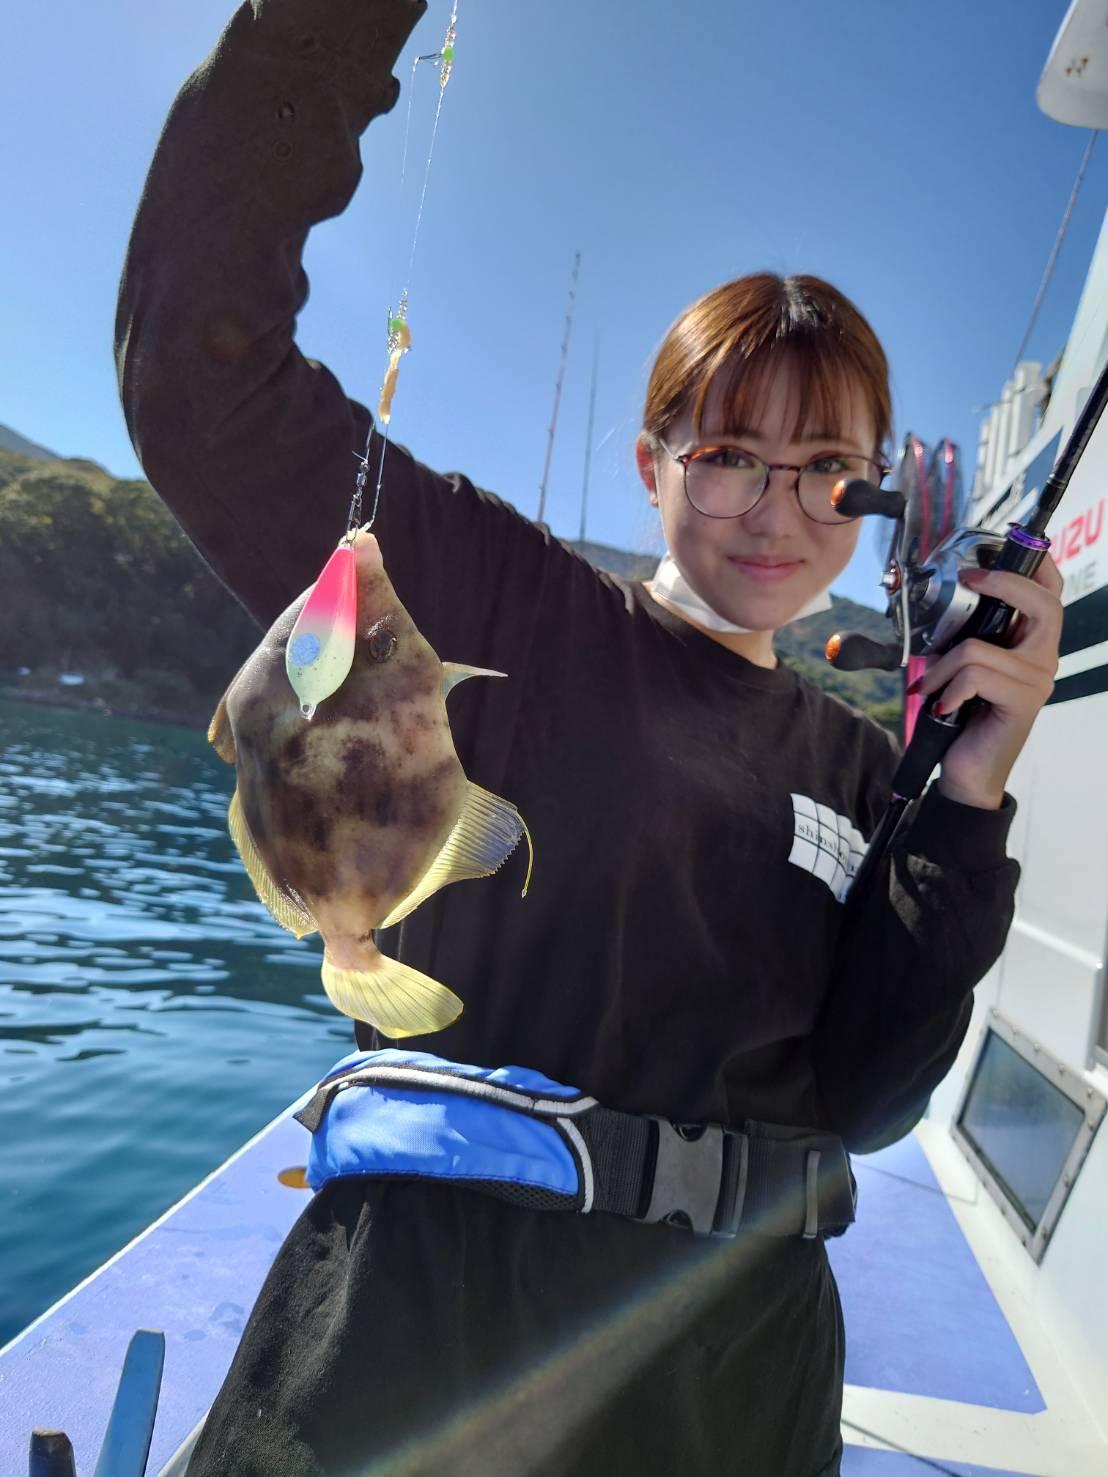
(699, 1178)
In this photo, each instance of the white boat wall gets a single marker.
(1046, 996)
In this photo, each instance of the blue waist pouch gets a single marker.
(408, 1113)
(517, 1134)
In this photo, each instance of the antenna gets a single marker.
(1056, 247)
(558, 387)
(588, 434)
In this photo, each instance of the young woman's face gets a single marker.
(759, 569)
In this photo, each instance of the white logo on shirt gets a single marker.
(826, 844)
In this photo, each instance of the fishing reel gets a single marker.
(930, 610)
(928, 606)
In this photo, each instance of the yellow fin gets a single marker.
(484, 836)
(288, 909)
(220, 736)
(455, 672)
(395, 998)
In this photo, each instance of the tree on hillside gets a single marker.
(103, 577)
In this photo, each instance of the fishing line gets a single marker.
(398, 335)
(432, 56)
(320, 649)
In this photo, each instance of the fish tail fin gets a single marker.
(394, 997)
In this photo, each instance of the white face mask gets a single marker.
(672, 585)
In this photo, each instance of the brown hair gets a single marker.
(743, 331)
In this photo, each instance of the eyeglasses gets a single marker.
(726, 481)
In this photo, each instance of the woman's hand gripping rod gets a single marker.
(917, 616)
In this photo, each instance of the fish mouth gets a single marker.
(368, 549)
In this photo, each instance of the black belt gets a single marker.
(716, 1181)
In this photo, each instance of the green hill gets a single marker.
(126, 612)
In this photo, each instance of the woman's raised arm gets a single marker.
(247, 441)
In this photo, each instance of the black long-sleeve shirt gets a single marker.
(683, 949)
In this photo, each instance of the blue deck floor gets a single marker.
(859, 1461)
(920, 1317)
(64, 1370)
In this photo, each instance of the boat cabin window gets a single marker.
(1025, 1124)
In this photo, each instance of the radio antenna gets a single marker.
(588, 434)
(558, 386)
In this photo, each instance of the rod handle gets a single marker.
(931, 737)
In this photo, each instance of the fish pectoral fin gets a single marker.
(394, 997)
(455, 672)
(287, 906)
(220, 736)
(484, 836)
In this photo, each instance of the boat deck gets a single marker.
(947, 1369)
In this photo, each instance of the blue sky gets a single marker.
(894, 148)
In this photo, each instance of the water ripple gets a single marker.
(152, 1015)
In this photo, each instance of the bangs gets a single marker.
(735, 341)
(825, 388)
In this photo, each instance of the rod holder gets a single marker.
(51, 1454)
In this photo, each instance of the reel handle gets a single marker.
(850, 651)
(858, 498)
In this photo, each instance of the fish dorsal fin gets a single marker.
(455, 672)
(288, 909)
(484, 836)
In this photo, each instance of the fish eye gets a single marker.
(381, 640)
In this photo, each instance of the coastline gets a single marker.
(46, 698)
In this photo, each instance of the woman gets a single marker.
(683, 951)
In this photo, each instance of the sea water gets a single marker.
(152, 1014)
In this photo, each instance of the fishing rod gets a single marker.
(932, 612)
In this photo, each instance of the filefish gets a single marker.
(347, 822)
